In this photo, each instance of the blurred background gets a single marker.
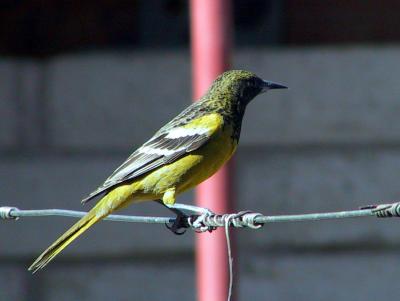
(83, 83)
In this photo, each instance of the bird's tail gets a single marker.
(101, 210)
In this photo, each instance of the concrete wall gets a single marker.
(331, 142)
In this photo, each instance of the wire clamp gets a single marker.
(5, 212)
(387, 210)
(249, 220)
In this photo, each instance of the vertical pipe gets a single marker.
(211, 24)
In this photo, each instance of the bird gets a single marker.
(182, 154)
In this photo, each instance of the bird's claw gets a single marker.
(179, 225)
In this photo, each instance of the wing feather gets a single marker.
(163, 148)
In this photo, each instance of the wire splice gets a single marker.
(209, 222)
(5, 212)
(387, 210)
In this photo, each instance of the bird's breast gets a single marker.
(208, 159)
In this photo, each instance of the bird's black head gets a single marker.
(242, 86)
(230, 94)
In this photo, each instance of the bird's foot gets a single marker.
(187, 216)
(179, 225)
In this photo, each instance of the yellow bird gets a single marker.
(186, 151)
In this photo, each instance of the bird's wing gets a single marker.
(163, 148)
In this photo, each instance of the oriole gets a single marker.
(183, 153)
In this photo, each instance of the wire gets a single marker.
(206, 220)
(15, 213)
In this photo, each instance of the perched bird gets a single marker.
(183, 153)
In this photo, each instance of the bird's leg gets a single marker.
(190, 209)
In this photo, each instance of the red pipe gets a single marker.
(211, 24)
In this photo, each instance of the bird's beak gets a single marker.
(271, 85)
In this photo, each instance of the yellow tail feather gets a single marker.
(97, 213)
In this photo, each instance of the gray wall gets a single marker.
(331, 142)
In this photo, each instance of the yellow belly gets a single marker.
(188, 171)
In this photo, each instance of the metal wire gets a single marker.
(203, 220)
(214, 220)
(15, 213)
